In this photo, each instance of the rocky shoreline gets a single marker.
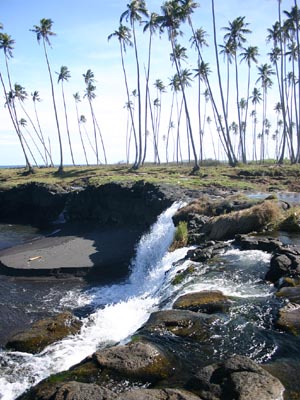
(148, 369)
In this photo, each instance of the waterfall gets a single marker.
(119, 310)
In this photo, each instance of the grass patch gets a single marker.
(180, 237)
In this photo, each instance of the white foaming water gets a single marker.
(122, 310)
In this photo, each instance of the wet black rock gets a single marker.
(32, 203)
(245, 242)
(158, 394)
(206, 251)
(284, 263)
(236, 378)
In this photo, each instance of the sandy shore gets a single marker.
(75, 248)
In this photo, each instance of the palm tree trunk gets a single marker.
(61, 167)
(67, 123)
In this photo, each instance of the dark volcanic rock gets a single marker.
(206, 301)
(284, 263)
(44, 332)
(32, 203)
(158, 394)
(237, 378)
(137, 204)
(206, 250)
(246, 242)
(181, 323)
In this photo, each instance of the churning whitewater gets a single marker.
(118, 310)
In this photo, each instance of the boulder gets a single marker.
(292, 293)
(206, 251)
(285, 263)
(291, 224)
(158, 394)
(207, 301)
(82, 391)
(44, 332)
(140, 360)
(246, 242)
(289, 318)
(181, 323)
(236, 378)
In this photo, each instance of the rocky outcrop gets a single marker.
(44, 332)
(33, 203)
(207, 250)
(182, 323)
(289, 318)
(207, 301)
(246, 242)
(236, 378)
(284, 263)
(158, 394)
(117, 204)
(141, 361)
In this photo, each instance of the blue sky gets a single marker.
(80, 43)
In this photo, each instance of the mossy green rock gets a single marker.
(44, 332)
(207, 301)
(289, 319)
(139, 360)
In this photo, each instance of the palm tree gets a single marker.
(256, 99)
(225, 132)
(21, 94)
(77, 100)
(173, 15)
(265, 72)
(63, 76)
(43, 32)
(23, 124)
(6, 44)
(136, 9)
(123, 35)
(249, 55)
(90, 94)
(160, 89)
(236, 37)
(152, 25)
(227, 50)
(36, 99)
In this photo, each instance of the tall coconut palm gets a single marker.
(225, 132)
(236, 37)
(21, 94)
(227, 50)
(43, 33)
(160, 89)
(173, 15)
(64, 76)
(123, 35)
(151, 25)
(77, 100)
(256, 98)
(23, 124)
(36, 99)
(135, 12)
(249, 55)
(265, 72)
(83, 121)
(90, 95)
(6, 44)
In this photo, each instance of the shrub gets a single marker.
(180, 237)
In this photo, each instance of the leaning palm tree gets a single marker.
(136, 9)
(36, 99)
(77, 100)
(6, 44)
(43, 32)
(63, 76)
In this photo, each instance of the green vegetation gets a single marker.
(250, 177)
(181, 236)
